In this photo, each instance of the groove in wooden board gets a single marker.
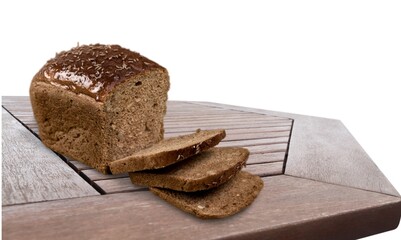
(198, 111)
(267, 125)
(268, 148)
(287, 208)
(16, 103)
(182, 116)
(256, 129)
(184, 104)
(244, 123)
(195, 114)
(177, 105)
(19, 110)
(251, 128)
(248, 120)
(118, 185)
(265, 169)
(78, 165)
(35, 130)
(30, 125)
(254, 142)
(255, 136)
(20, 106)
(243, 130)
(27, 113)
(32, 172)
(190, 112)
(95, 175)
(172, 107)
(223, 118)
(233, 137)
(26, 122)
(266, 157)
(206, 113)
(216, 118)
(16, 112)
(11, 102)
(178, 129)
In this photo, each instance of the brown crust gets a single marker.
(162, 159)
(226, 200)
(94, 70)
(215, 173)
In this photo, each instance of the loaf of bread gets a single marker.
(98, 103)
(203, 171)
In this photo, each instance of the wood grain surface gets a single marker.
(315, 202)
(33, 173)
(287, 208)
(324, 150)
(333, 155)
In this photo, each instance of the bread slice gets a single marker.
(200, 172)
(226, 200)
(99, 103)
(168, 151)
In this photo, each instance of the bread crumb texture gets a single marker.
(168, 151)
(226, 200)
(200, 172)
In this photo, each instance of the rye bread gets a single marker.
(168, 151)
(200, 172)
(220, 202)
(99, 103)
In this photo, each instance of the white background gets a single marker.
(335, 59)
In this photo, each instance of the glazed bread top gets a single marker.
(93, 70)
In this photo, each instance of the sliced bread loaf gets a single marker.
(223, 201)
(168, 151)
(200, 172)
(99, 103)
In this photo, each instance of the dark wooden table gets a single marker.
(319, 183)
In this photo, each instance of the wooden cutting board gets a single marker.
(319, 183)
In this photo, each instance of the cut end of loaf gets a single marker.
(135, 113)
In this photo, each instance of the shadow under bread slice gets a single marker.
(220, 202)
(168, 151)
(200, 172)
